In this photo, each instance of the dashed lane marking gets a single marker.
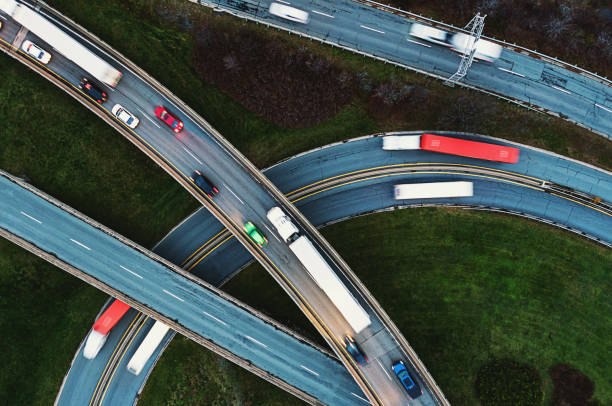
(31, 218)
(132, 272)
(81, 244)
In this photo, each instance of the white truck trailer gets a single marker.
(433, 190)
(320, 271)
(61, 42)
(147, 347)
(401, 142)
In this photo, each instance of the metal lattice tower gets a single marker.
(475, 27)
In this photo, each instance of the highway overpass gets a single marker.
(245, 195)
(343, 180)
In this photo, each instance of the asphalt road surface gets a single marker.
(244, 198)
(156, 285)
(200, 244)
(386, 35)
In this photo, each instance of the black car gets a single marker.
(353, 349)
(92, 90)
(204, 184)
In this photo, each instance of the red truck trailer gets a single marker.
(472, 149)
(99, 333)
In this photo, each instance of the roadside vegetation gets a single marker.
(469, 289)
(578, 32)
(61, 148)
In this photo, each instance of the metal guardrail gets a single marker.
(246, 16)
(512, 46)
(258, 177)
(174, 324)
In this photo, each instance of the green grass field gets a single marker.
(66, 151)
(467, 287)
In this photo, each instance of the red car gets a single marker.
(164, 115)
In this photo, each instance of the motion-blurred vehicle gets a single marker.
(430, 34)
(408, 383)
(170, 119)
(289, 13)
(92, 91)
(255, 234)
(485, 50)
(353, 349)
(125, 116)
(204, 184)
(36, 52)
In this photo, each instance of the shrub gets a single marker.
(572, 387)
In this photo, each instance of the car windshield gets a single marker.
(175, 124)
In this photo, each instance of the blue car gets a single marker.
(413, 388)
(353, 349)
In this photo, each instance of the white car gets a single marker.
(289, 13)
(36, 52)
(125, 116)
(485, 50)
(430, 34)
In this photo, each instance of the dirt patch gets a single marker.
(572, 387)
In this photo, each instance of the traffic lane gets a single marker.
(123, 381)
(333, 318)
(363, 153)
(78, 388)
(147, 289)
(9, 28)
(380, 18)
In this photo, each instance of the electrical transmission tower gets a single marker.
(475, 27)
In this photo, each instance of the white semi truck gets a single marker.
(320, 271)
(62, 42)
(147, 347)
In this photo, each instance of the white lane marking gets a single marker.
(309, 370)
(214, 318)
(418, 43)
(4, 18)
(232, 192)
(322, 14)
(81, 244)
(561, 89)
(173, 295)
(384, 370)
(149, 118)
(372, 29)
(603, 107)
(31, 218)
(194, 157)
(110, 88)
(512, 72)
(357, 396)
(283, 1)
(256, 342)
(132, 272)
(272, 233)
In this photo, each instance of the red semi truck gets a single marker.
(99, 333)
(472, 149)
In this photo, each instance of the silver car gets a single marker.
(125, 116)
